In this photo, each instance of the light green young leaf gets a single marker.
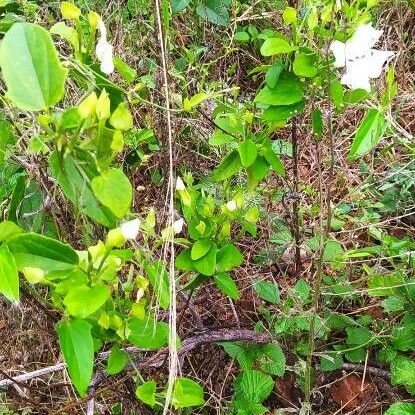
(116, 361)
(113, 189)
(9, 278)
(253, 386)
(147, 333)
(147, 393)
(77, 346)
(287, 91)
(84, 301)
(187, 393)
(31, 69)
(275, 46)
(200, 248)
(207, 264)
(248, 152)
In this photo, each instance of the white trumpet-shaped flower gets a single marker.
(180, 184)
(361, 61)
(231, 205)
(130, 229)
(104, 50)
(178, 226)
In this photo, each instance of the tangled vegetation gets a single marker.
(207, 207)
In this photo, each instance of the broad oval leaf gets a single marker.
(227, 285)
(229, 257)
(228, 167)
(207, 264)
(147, 392)
(247, 152)
(84, 301)
(33, 74)
(287, 91)
(369, 134)
(275, 46)
(77, 346)
(116, 361)
(253, 385)
(187, 393)
(113, 189)
(9, 279)
(38, 251)
(148, 334)
(178, 5)
(200, 248)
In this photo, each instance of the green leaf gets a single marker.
(178, 5)
(126, 71)
(253, 386)
(257, 172)
(273, 159)
(238, 351)
(74, 181)
(268, 291)
(282, 113)
(147, 392)
(200, 248)
(403, 372)
(121, 118)
(187, 393)
(302, 290)
(288, 91)
(242, 37)
(303, 65)
(273, 74)
(214, 11)
(9, 278)
(159, 279)
(228, 167)
(272, 360)
(229, 257)
(38, 251)
(207, 264)
(317, 122)
(77, 346)
(8, 229)
(275, 46)
(113, 189)
(369, 134)
(227, 285)
(31, 69)
(248, 152)
(184, 261)
(148, 333)
(220, 138)
(401, 408)
(331, 361)
(116, 361)
(84, 301)
(358, 336)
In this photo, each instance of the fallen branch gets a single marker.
(159, 358)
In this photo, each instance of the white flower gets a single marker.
(130, 229)
(103, 50)
(361, 61)
(178, 226)
(179, 184)
(231, 205)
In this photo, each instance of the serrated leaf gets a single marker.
(187, 393)
(147, 392)
(268, 291)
